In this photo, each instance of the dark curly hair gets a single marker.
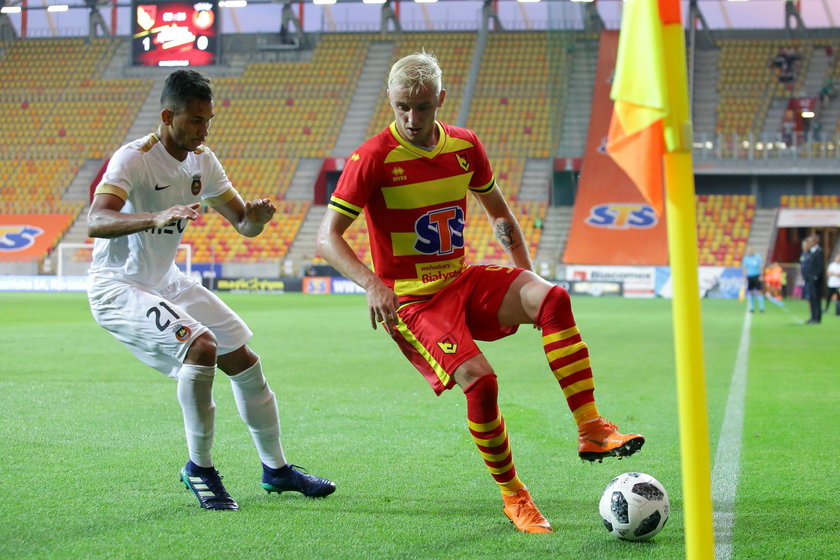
(182, 86)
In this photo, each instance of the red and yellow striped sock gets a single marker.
(567, 354)
(487, 427)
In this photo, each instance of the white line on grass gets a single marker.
(728, 457)
(794, 317)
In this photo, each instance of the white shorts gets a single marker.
(159, 326)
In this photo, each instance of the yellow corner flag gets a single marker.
(650, 139)
(636, 136)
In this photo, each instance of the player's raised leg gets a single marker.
(549, 307)
(257, 406)
(568, 358)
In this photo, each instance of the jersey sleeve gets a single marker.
(360, 178)
(124, 172)
(482, 180)
(217, 184)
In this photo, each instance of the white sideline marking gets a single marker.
(728, 456)
(794, 317)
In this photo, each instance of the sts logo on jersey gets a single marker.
(440, 232)
(14, 238)
(622, 215)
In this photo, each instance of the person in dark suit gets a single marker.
(813, 271)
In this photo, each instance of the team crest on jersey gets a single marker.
(195, 187)
(462, 161)
(399, 174)
(448, 344)
(183, 333)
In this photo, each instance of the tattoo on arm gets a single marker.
(505, 233)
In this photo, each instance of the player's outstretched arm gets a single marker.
(249, 218)
(331, 245)
(506, 228)
(105, 219)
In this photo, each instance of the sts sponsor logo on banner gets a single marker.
(18, 238)
(622, 215)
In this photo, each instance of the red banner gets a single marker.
(612, 224)
(29, 236)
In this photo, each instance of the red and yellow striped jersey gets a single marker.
(415, 203)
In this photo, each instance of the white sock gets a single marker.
(195, 393)
(258, 407)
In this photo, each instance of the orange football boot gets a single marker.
(521, 510)
(600, 438)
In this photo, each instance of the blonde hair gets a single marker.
(414, 71)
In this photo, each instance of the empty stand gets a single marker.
(92, 119)
(289, 109)
(723, 227)
(814, 201)
(260, 177)
(514, 102)
(214, 240)
(55, 112)
(748, 81)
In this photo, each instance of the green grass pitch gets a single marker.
(91, 440)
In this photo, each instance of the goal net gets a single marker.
(73, 259)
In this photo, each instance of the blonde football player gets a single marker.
(412, 181)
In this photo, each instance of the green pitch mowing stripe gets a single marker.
(786, 506)
(92, 440)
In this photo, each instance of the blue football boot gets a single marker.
(292, 478)
(207, 486)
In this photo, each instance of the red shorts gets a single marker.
(439, 334)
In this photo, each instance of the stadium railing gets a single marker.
(765, 146)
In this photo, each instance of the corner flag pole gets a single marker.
(688, 335)
(650, 139)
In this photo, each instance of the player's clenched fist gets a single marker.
(260, 211)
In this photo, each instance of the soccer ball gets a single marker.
(634, 506)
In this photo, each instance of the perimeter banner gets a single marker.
(30, 236)
(612, 224)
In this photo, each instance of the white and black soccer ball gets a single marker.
(634, 506)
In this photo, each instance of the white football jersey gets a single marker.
(149, 179)
(834, 275)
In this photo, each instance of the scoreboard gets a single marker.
(174, 32)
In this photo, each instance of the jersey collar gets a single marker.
(420, 151)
